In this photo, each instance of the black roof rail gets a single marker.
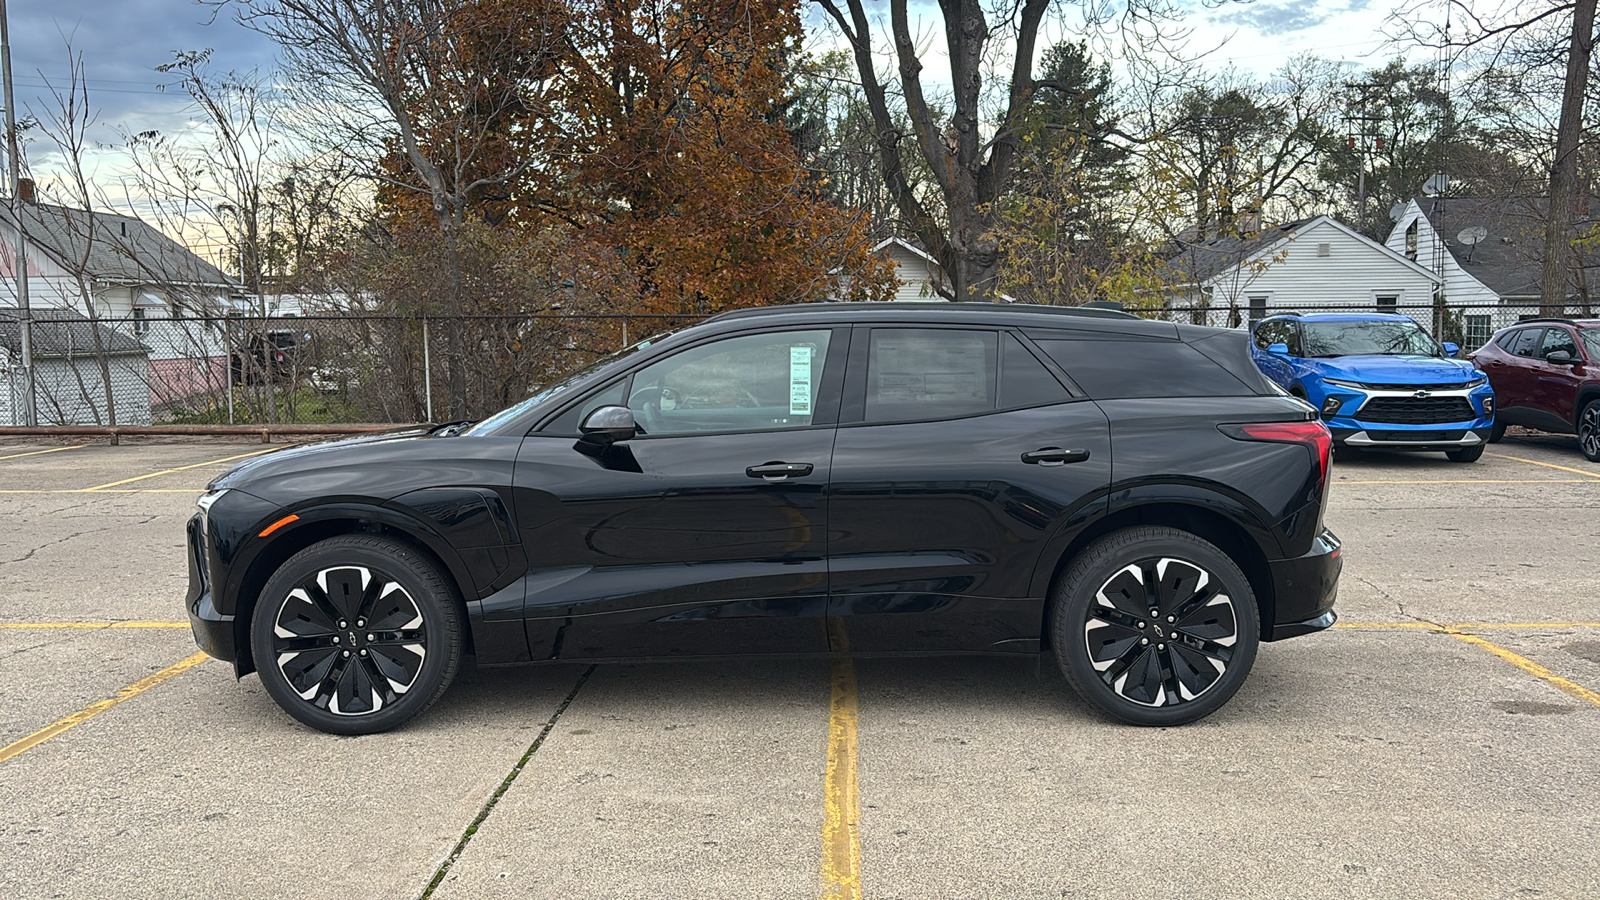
(1546, 319)
(1080, 311)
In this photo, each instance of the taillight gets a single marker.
(1313, 434)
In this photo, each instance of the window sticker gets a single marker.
(799, 381)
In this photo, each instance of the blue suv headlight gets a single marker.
(1345, 384)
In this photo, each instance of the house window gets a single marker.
(1386, 302)
(1258, 306)
(1411, 241)
(1476, 331)
(141, 325)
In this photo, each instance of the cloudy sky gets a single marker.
(122, 41)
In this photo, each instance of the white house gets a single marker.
(1317, 263)
(131, 277)
(69, 382)
(918, 272)
(1489, 251)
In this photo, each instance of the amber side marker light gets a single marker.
(278, 524)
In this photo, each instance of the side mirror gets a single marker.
(609, 425)
(1451, 349)
(1561, 358)
(1278, 349)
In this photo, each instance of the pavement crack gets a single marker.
(505, 785)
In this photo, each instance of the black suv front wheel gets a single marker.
(356, 634)
(1155, 626)
(1589, 431)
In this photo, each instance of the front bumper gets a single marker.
(213, 631)
(1390, 437)
(1431, 417)
(1305, 588)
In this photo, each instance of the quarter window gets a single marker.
(758, 382)
(916, 374)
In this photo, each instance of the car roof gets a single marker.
(1344, 317)
(1016, 315)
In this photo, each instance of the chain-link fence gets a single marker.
(313, 369)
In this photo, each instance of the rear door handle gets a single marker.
(778, 471)
(1054, 456)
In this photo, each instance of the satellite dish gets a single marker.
(1436, 185)
(1471, 236)
(1396, 211)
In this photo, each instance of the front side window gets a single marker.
(1591, 341)
(757, 382)
(1359, 338)
(917, 374)
(1558, 339)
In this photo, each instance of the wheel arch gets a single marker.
(1225, 532)
(319, 524)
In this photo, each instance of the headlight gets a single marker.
(1478, 381)
(1345, 384)
(205, 502)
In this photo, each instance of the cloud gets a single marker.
(1272, 19)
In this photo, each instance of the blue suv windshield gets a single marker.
(1363, 338)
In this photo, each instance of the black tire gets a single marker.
(1098, 646)
(372, 601)
(1466, 454)
(1589, 431)
(1497, 432)
(1346, 452)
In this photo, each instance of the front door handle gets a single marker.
(1054, 456)
(778, 471)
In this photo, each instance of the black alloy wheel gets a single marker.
(1155, 626)
(1589, 431)
(356, 634)
(1466, 454)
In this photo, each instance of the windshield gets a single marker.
(1362, 338)
(550, 390)
(1591, 341)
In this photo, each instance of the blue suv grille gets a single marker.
(1417, 411)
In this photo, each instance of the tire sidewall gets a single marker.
(1075, 592)
(420, 579)
(1594, 407)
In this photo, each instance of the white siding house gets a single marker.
(69, 383)
(1313, 264)
(132, 278)
(918, 273)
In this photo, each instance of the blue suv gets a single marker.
(1379, 381)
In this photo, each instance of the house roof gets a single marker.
(1509, 258)
(115, 248)
(909, 247)
(1199, 263)
(63, 332)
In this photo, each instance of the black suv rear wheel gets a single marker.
(356, 634)
(1589, 431)
(1155, 626)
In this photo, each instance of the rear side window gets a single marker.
(1124, 370)
(917, 374)
(1527, 342)
(1024, 381)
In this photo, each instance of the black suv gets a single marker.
(1132, 498)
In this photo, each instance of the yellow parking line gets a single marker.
(1465, 626)
(90, 625)
(1482, 481)
(198, 490)
(1535, 462)
(37, 452)
(841, 835)
(101, 487)
(95, 709)
(1531, 667)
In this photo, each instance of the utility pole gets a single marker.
(24, 315)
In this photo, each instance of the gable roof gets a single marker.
(115, 248)
(909, 247)
(1200, 263)
(63, 332)
(1510, 258)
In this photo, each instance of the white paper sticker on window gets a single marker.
(799, 381)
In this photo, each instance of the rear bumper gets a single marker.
(1305, 588)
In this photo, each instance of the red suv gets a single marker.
(1546, 375)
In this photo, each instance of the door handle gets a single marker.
(778, 471)
(1054, 456)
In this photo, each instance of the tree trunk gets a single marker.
(1564, 169)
